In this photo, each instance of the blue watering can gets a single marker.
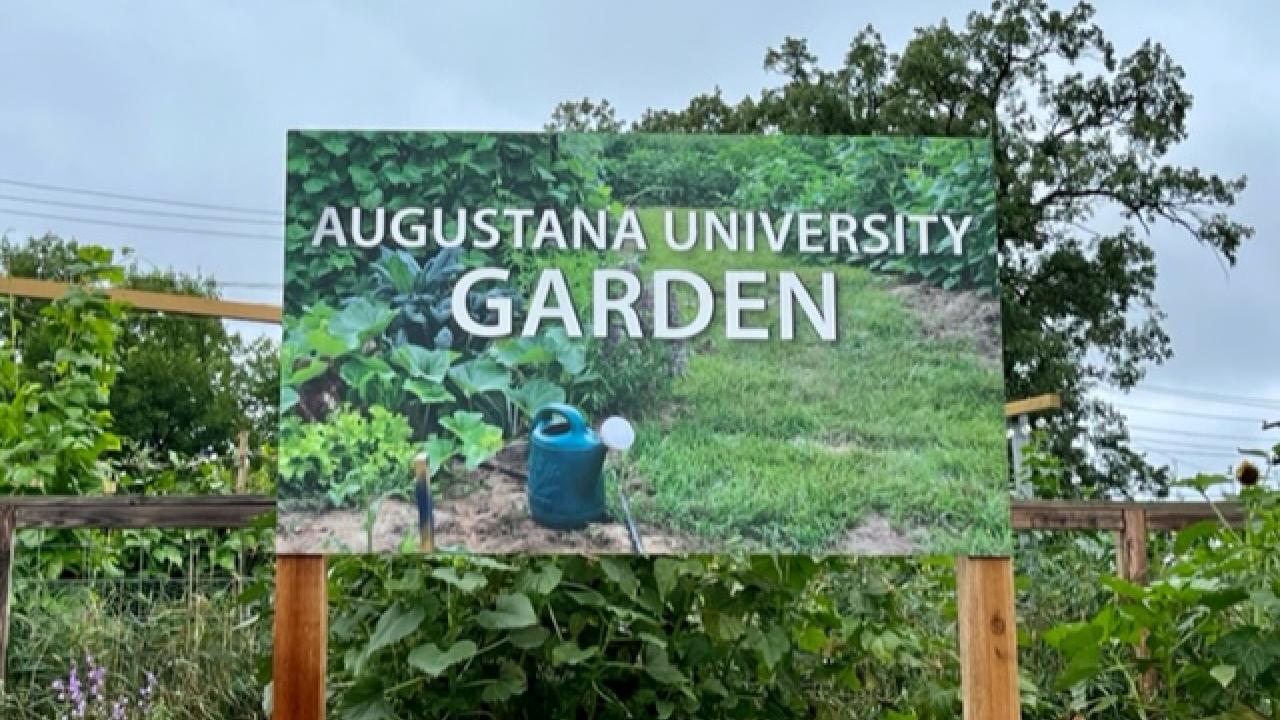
(566, 489)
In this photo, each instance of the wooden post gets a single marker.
(301, 638)
(987, 623)
(8, 528)
(1131, 564)
(242, 463)
(1131, 554)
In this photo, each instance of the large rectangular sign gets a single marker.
(506, 342)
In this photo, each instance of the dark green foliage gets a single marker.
(54, 422)
(1210, 621)
(1079, 131)
(723, 637)
(392, 345)
(462, 170)
(184, 384)
(705, 637)
(670, 171)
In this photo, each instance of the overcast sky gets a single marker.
(191, 101)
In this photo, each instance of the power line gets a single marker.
(1195, 446)
(1202, 453)
(1164, 411)
(139, 198)
(1207, 396)
(1187, 433)
(139, 211)
(139, 226)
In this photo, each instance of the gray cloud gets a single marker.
(192, 100)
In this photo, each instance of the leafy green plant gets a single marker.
(54, 421)
(705, 637)
(348, 457)
(1202, 639)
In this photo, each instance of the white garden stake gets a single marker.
(618, 434)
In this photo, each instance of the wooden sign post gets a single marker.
(301, 638)
(987, 622)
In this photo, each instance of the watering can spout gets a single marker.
(566, 487)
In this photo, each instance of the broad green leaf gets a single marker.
(439, 451)
(335, 144)
(568, 653)
(666, 574)
(361, 320)
(362, 179)
(422, 363)
(1083, 665)
(620, 573)
(479, 376)
(535, 394)
(433, 661)
(811, 639)
(659, 667)
(571, 354)
(480, 440)
(363, 372)
(541, 582)
(510, 683)
(1248, 650)
(1224, 674)
(468, 583)
(396, 623)
(530, 637)
(371, 709)
(509, 612)
(428, 392)
(522, 352)
(326, 344)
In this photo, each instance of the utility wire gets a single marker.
(1202, 453)
(1194, 446)
(1243, 400)
(140, 211)
(1164, 411)
(139, 226)
(139, 198)
(1187, 433)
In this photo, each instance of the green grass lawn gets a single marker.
(787, 445)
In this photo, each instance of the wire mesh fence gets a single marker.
(183, 635)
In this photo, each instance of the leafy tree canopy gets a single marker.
(184, 385)
(1080, 132)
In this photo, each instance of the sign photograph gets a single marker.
(634, 343)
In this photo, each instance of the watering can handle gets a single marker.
(576, 422)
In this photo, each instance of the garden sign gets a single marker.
(596, 343)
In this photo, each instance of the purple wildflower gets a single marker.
(75, 693)
(97, 677)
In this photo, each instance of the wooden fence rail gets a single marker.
(112, 512)
(238, 511)
(984, 585)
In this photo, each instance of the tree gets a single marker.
(185, 384)
(1079, 132)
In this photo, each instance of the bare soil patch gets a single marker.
(950, 315)
(875, 536)
(487, 512)
(482, 512)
